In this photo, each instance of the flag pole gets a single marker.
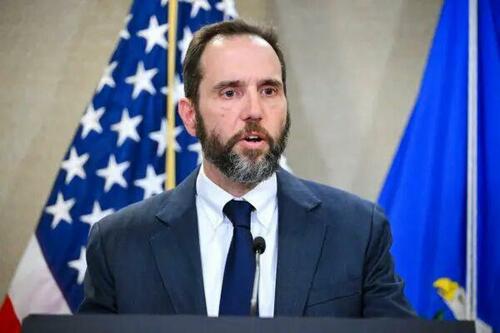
(471, 274)
(172, 47)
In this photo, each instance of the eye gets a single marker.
(269, 91)
(228, 93)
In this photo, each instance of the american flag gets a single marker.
(117, 156)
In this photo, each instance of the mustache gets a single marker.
(250, 127)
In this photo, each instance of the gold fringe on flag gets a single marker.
(172, 47)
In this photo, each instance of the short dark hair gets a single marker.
(192, 71)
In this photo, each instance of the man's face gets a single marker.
(242, 118)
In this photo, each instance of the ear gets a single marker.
(188, 115)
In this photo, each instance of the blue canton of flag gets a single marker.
(117, 156)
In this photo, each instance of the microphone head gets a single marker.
(259, 245)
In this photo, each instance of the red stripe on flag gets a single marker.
(8, 320)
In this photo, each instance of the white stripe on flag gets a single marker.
(33, 289)
(471, 261)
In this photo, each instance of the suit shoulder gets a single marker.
(333, 196)
(346, 208)
(139, 215)
(354, 218)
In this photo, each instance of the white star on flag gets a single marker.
(152, 183)
(196, 148)
(142, 80)
(124, 32)
(107, 77)
(228, 8)
(60, 210)
(127, 128)
(160, 137)
(187, 36)
(178, 89)
(90, 120)
(96, 215)
(197, 4)
(113, 173)
(154, 34)
(74, 165)
(80, 265)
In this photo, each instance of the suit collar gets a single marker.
(290, 188)
(300, 239)
(181, 200)
(177, 251)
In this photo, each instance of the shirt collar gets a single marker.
(214, 198)
(262, 197)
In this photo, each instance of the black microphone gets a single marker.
(259, 246)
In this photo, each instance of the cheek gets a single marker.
(215, 110)
(277, 105)
(278, 112)
(226, 118)
(220, 123)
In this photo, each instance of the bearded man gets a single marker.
(189, 250)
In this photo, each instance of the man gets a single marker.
(189, 250)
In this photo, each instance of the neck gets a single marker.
(235, 189)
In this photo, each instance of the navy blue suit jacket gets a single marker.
(333, 256)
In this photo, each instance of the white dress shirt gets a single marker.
(216, 231)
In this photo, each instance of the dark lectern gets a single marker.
(186, 324)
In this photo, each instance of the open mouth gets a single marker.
(252, 138)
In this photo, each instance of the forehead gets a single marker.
(247, 56)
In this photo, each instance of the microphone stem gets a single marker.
(255, 290)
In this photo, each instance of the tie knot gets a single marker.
(238, 212)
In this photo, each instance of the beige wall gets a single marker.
(354, 69)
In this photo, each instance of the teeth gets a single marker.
(252, 138)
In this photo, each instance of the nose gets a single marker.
(252, 109)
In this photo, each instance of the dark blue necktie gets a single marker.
(240, 264)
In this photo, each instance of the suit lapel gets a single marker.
(177, 252)
(300, 239)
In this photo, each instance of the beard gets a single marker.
(249, 167)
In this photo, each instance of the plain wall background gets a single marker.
(354, 69)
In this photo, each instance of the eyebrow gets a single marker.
(239, 83)
(271, 82)
(226, 84)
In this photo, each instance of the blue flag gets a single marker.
(425, 193)
(117, 156)
(489, 163)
